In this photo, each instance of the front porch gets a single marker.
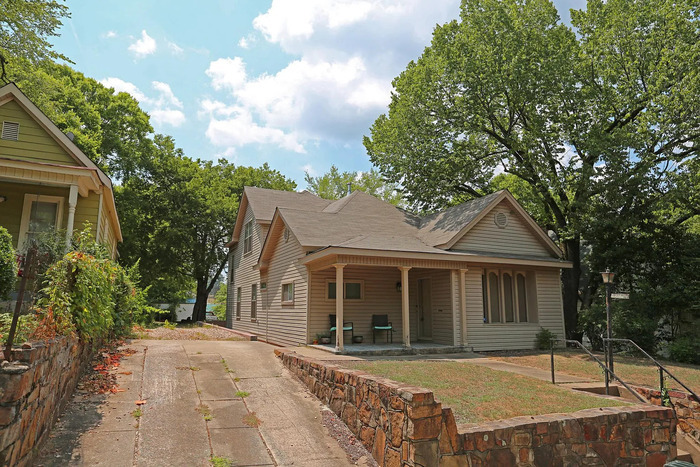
(396, 349)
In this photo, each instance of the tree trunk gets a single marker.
(200, 305)
(570, 279)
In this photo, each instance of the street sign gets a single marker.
(620, 296)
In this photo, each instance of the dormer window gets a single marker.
(10, 131)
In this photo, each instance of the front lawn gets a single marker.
(632, 370)
(477, 394)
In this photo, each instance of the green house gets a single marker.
(46, 182)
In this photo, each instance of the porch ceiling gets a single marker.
(49, 174)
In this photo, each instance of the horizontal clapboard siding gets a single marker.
(511, 336)
(287, 322)
(34, 142)
(11, 209)
(86, 212)
(515, 238)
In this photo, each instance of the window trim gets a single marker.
(345, 283)
(238, 303)
(282, 298)
(248, 237)
(486, 296)
(27, 211)
(254, 302)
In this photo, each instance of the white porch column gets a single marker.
(405, 324)
(72, 203)
(463, 305)
(339, 289)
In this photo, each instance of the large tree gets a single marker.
(334, 184)
(178, 215)
(601, 114)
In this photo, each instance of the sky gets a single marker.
(295, 83)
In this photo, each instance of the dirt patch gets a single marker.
(350, 444)
(188, 333)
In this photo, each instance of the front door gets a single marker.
(425, 311)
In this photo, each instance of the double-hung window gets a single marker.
(238, 303)
(508, 296)
(288, 293)
(352, 290)
(248, 237)
(254, 301)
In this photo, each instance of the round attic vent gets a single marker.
(500, 219)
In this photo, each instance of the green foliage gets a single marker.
(89, 294)
(169, 325)
(595, 127)
(220, 302)
(334, 185)
(26, 324)
(8, 264)
(26, 26)
(543, 339)
(685, 349)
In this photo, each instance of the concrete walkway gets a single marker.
(204, 399)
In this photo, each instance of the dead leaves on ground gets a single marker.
(101, 377)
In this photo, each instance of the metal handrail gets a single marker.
(662, 368)
(604, 367)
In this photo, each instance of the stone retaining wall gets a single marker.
(405, 426)
(34, 388)
(687, 409)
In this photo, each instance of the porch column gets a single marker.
(463, 305)
(405, 324)
(72, 203)
(339, 347)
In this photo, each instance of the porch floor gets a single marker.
(417, 348)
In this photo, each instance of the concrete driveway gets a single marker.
(204, 400)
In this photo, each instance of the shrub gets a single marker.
(685, 349)
(8, 264)
(26, 326)
(543, 339)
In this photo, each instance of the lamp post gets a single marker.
(608, 281)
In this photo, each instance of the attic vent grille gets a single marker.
(500, 219)
(10, 130)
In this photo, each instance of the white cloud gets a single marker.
(164, 108)
(246, 41)
(174, 48)
(347, 53)
(227, 73)
(144, 46)
(110, 34)
(308, 168)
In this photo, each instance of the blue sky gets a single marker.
(294, 83)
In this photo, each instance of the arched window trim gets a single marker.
(515, 291)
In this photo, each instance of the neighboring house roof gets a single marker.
(362, 222)
(263, 202)
(11, 92)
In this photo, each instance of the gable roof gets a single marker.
(10, 92)
(361, 221)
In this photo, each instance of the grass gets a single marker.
(242, 394)
(252, 420)
(631, 369)
(218, 461)
(137, 413)
(477, 394)
(205, 411)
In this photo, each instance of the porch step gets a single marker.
(394, 351)
(688, 448)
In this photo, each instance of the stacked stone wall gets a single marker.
(686, 407)
(34, 388)
(405, 426)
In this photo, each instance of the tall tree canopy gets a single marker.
(334, 184)
(604, 117)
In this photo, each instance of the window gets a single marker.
(288, 293)
(508, 296)
(238, 303)
(248, 237)
(40, 214)
(353, 290)
(253, 301)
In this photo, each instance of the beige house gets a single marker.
(479, 275)
(46, 182)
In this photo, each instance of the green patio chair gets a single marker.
(347, 326)
(381, 323)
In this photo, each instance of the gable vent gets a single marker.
(500, 219)
(10, 130)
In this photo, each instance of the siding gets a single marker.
(287, 323)
(245, 275)
(381, 297)
(515, 238)
(35, 144)
(86, 211)
(506, 336)
(11, 210)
